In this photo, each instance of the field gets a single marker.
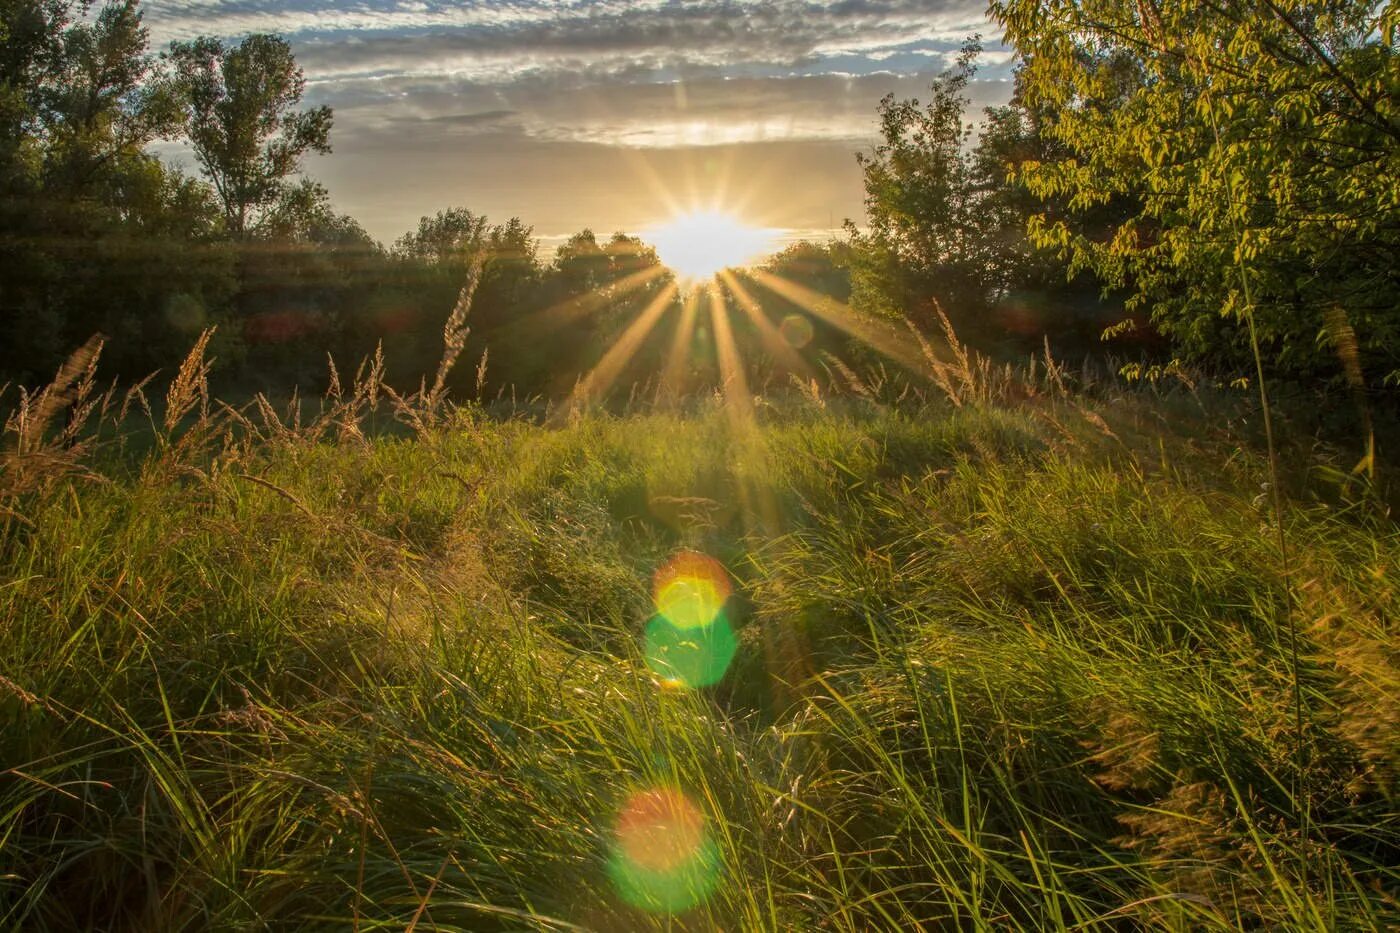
(992, 659)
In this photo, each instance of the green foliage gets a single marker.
(926, 240)
(240, 119)
(95, 234)
(947, 224)
(1259, 144)
(99, 102)
(303, 214)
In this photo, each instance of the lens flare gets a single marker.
(690, 657)
(663, 858)
(689, 642)
(185, 313)
(796, 330)
(690, 589)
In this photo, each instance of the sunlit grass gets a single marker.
(986, 666)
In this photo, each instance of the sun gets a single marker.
(700, 244)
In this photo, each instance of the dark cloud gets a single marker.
(703, 36)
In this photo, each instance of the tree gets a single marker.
(433, 262)
(926, 236)
(1041, 297)
(101, 104)
(948, 219)
(95, 233)
(29, 43)
(1260, 144)
(303, 214)
(239, 114)
(446, 237)
(584, 265)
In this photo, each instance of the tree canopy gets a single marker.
(240, 119)
(1260, 144)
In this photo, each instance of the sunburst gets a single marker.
(707, 260)
(699, 244)
(706, 254)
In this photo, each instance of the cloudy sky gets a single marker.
(608, 114)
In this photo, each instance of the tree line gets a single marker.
(1187, 180)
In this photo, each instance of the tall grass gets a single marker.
(1010, 658)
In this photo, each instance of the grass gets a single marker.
(1000, 664)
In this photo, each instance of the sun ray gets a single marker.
(595, 385)
(723, 162)
(643, 168)
(787, 653)
(580, 306)
(772, 339)
(879, 337)
(735, 384)
(673, 376)
(758, 507)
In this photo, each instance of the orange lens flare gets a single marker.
(663, 858)
(660, 830)
(796, 330)
(690, 589)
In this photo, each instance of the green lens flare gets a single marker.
(689, 656)
(663, 858)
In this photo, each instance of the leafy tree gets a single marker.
(101, 104)
(926, 236)
(821, 267)
(584, 265)
(29, 43)
(239, 105)
(448, 236)
(433, 263)
(303, 214)
(947, 224)
(445, 244)
(306, 271)
(1261, 146)
(1041, 297)
(95, 234)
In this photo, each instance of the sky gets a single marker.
(606, 114)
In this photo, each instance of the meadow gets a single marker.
(1020, 652)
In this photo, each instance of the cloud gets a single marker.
(704, 111)
(499, 42)
(599, 112)
(479, 119)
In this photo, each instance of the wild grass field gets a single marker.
(989, 659)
